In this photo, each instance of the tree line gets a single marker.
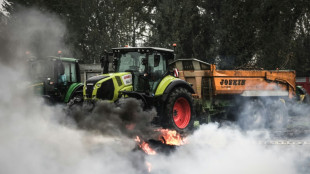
(265, 34)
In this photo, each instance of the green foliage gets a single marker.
(233, 33)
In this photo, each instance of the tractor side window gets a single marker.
(160, 69)
(70, 72)
(67, 72)
(156, 72)
(73, 72)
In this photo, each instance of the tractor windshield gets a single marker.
(41, 69)
(131, 61)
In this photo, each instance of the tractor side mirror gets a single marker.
(144, 61)
(156, 60)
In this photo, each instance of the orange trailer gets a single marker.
(207, 80)
(219, 91)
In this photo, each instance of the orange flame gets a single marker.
(145, 147)
(171, 137)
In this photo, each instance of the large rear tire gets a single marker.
(179, 110)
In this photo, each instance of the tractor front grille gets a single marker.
(90, 83)
(89, 90)
(106, 91)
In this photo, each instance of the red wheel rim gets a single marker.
(181, 113)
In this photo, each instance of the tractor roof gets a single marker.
(144, 48)
(191, 59)
(66, 59)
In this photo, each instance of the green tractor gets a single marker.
(56, 79)
(143, 73)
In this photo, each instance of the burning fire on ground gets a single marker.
(145, 146)
(166, 137)
(171, 137)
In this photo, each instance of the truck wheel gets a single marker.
(179, 109)
(253, 115)
(278, 114)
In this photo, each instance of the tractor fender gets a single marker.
(174, 84)
(73, 89)
(138, 96)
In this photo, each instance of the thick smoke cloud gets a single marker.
(229, 150)
(30, 30)
(36, 138)
(282, 118)
(125, 118)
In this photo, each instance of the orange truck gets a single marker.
(220, 91)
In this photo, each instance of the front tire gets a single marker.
(75, 101)
(179, 110)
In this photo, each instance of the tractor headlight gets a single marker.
(98, 85)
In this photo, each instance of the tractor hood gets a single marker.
(107, 86)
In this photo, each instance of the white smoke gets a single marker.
(36, 138)
(270, 136)
(229, 150)
(29, 30)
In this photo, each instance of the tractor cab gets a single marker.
(53, 76)
(148, 66)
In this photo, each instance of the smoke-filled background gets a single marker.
(36, 138)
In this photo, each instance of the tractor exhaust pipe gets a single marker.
(175, 54)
